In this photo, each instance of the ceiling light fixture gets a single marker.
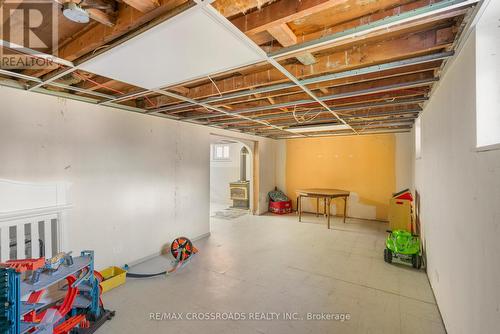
(72, 11)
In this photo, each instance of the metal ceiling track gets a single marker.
(323, 99)
(110, 100)
(322, 121)
(323, 78)
(352, 107)
(251, 44)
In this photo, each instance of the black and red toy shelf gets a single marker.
(26, 307)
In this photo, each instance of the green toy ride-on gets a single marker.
(404, 246)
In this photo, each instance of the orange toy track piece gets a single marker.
(65, 306)
(69, 324)
(26, 265)
(35, 296)
(70, 296)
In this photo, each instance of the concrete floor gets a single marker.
(275, 264)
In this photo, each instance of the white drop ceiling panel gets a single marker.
(189, 46)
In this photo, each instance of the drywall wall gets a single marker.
(405, 157)
(136, 181)
(280, 173)
(224, 172)
(488, 69)
(364, 165)
(460, 212)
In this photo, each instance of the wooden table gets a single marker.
(327, 195)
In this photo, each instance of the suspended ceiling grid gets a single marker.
(368, 66)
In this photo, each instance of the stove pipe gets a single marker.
(243, 164)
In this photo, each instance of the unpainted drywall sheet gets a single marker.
(460, 211)
(136, 181)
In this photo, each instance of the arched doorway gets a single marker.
(231, 177)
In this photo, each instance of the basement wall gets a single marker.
(137, 181)
(460, 204)
(372, 167)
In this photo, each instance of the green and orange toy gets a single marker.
(404, 246)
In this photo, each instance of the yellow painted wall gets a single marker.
(361, 164)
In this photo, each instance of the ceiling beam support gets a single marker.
(207, 106)
(380, 25)
(353, 107)
(143, 6)
(281, 12)
(366, 54)
(101, 17)
(323, 99)
(345, 74)
(322, 121)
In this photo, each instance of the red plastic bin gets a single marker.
(280, 208)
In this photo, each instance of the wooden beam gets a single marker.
(143, 6)
(352, 87)
(376, 97)
(324, 86)
(264, 37)
(127, 20)
(281, 12)
(283, 34)
(230, 8)
(101, 17)
(357, 56)
(286, 37)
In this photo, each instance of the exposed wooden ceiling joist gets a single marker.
(247, 98)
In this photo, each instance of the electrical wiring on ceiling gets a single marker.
(85, 78)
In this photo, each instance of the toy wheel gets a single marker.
(387, 255)
(181, 248)
(416, 261)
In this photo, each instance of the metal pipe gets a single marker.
(243, 164)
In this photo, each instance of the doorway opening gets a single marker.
(231, 177)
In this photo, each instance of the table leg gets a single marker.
(324, 206)
(317, 206)
(345, 208)
(328, 211)
(299, 206)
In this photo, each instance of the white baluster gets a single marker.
(4, 243)
(20, 240)
(47, 232)
(35, 245)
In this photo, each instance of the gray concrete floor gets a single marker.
(275, 264)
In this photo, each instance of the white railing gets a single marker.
(31, 230)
